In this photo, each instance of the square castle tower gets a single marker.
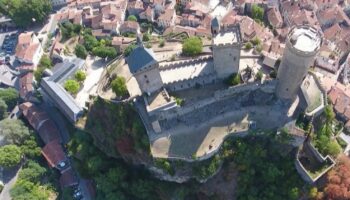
(226, 47)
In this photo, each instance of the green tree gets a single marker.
(32, 171)
(146, 37)
(132, 18)
(258, 48)
(80, 51)
(80, 76)
(44, 63)
(333, 148)
(90, 42)
(259, 75)
(104, 52)
(25, 13)
(30, 148)
(161, 43)
(10, 155)
(10, 96)
(257, 13)
(248, 46)
(256, 41)
(192, 46)
(3, 109)
(313, 192)
(143, 189)
(129, 49)
(14, 131)
(72, 86)
(24, 189)
(119, 86)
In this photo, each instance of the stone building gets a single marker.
(302, 45)
(226, 50)
(145, 68)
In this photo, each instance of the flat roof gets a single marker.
(304, 38)
(226, 38)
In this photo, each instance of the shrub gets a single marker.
(72, 86)
(129, 49)
(192, 46)
(259, 75)
(234, 79)
(258, 48)
(248, 46)
(146, 37)
(132, 18)
(256, 41)
(162, 43)
(80, 76)
(179, 101)
(257, 13)
(119, 86)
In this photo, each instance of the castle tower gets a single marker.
(302, 45)
(226, 47)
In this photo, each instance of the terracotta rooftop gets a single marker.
(26, 85)
(68, 179)
(53, 153)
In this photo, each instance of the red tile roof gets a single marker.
(25, 85)
(40, 121)
(68, 179)
(53, 153)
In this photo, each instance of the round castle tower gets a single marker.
(302, 45)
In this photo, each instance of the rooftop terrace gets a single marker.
(305, 38)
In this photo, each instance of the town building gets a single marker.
(54, 93)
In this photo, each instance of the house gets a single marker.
(40, 121)
(135, 7)
(341, 103)
(26, 86)
(327, 17)
(58, 3)
(250, 29)
(28, 49)
(54, 93)
(68, 179)
(55, 156)
(148, 14)
(120, 43)
(129, 27)
(274, 17)
(167, 18)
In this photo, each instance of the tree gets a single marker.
(248, 46)
(258, 48)
(80, 76)
(90, 42)
(45, 62)
(32, 172)
(259, 75)
(10, 96)
(192, 46)
(30, 148)
(119, 86)
(132, 18)
(256, 41)
(257, 13)
(333, 148)
(25, 13)
(72, 86)
(129, 49)
(161, 43)
(80, 51)
(104, 52)
(10, 155)
(234, 79)
(337, 185)
(3, 109)
(14, 131)
(24, 189)
(146, 37)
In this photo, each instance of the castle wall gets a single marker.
(226, 59)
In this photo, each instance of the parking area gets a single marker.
(8, 42)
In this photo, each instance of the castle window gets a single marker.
(145, 76)
(234, 58)
(147, 81)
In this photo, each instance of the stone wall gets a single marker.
(267, 87)
(149, 81)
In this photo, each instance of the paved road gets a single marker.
(10, 178)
